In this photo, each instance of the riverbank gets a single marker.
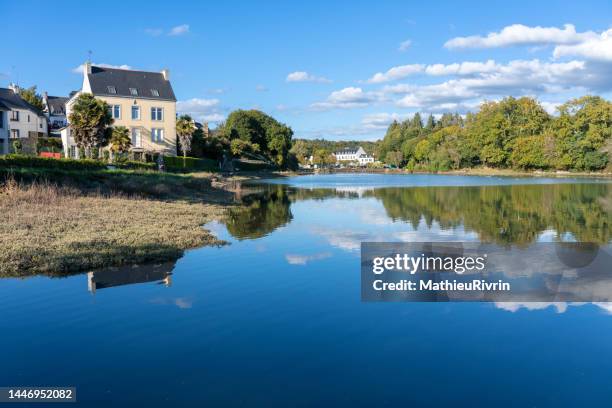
(62, 222)
(478, 171)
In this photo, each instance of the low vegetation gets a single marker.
(47, 228)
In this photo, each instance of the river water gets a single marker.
(275, 317)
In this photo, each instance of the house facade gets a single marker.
(353, 154)
(4, 146)
(24, 120)
(55, 111)
(143, 102)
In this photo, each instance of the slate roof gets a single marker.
(57, 105)
(348, 150)
(101, 78)
(11, 100)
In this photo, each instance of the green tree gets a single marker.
(323, 158)
(301, 151)
(394, 158)
(31, 97)
(255, 127)
(120, 141)
(184, 132)
(90, 121)
(583, 128)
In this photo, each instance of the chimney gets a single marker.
(166, 74)
(87, 67)
(14, 87)
(205, 128)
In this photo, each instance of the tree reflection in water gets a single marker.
(509, 214)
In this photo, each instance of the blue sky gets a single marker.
(314, 65)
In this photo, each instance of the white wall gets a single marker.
(34, 124)
(4, 144)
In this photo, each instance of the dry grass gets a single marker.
(56, 230)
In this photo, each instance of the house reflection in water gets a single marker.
(127, 275)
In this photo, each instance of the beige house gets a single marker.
(143, 102)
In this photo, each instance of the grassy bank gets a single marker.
(479, 171)
(58, 222)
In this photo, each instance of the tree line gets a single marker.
(512, 133)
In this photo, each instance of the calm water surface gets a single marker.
(275, 318)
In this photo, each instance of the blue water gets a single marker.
(275, 318)
(420, 180)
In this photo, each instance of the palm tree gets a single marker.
(185, 128)
(89, 120)
(120, 141)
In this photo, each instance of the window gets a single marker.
(135, 112)
(28, 118)
(136, 139)
(1, 120)
(157, 135)
(116, 112)
(111, 89)
(154, 92)
(15, 133)
(15, 115)
(157, 113)
(133, 91)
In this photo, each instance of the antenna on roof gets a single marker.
(89, 52)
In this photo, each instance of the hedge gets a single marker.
(172, 163)
(19, 160)
(135, 165)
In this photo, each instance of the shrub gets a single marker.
(18, 160)
(49, 144)
(136, 165)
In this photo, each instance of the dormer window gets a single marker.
(154, 92)
(111, 89)
(133, 91)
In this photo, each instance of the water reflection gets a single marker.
(128, 275)
(501, 214)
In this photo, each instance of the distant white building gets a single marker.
(354, 154)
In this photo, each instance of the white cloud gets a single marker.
(347, 98)
(463, 68)
(303, 76)
(396, 73)
(261, 88)
(597, 48)
(519, 77)
(296, 259)
(519, 34)
(206, 110)
(179, 30)
(405, 45)
(380, 121)
(79, 69)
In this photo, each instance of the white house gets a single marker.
(4, 146)
(353, 154)
(24, 120)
